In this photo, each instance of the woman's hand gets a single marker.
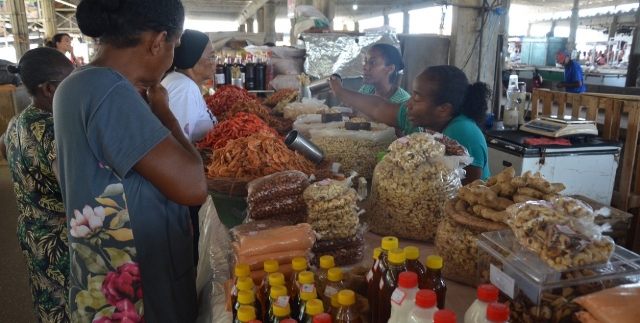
(335, 83)
(157, 97)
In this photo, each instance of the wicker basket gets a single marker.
(456, 241)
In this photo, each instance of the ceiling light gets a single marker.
(355, 6)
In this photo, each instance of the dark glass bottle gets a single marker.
(397, 265)
(260, 72)
(414, 264)
(374, 286)
(433, 280)
(250, 73)
(227, 70)
(220, 78)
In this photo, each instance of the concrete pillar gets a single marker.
(20, 27)
(502, 46)
(260, 17)
(328, 9)
(385, 15)
(634, 56)
(573, 29)
(356, 26)
(613, 27)
(50, 21)
(464, 30)
(406, 19)
(242, 28)
(270, 22)
(292, 38)
(250, 25)
(529, 30)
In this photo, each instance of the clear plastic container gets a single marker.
(404, 297)
(312, 308)
(347, 313)
(497, 313)
(334, 285)
(247, 298)
(246, 313)
(510, 118)
(425, 307)
(389, 283)
(280, 314)
(239, 271)
(326, 263)
(302, 305)
(379, 268)
(277, 294)
(477, 312)
(335, 306)
(434, 281)
(270, 267)
(414, 264)
(298, 265)
(307, 291)
(444, 316)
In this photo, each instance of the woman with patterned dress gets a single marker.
(30, 149)
(127, 171)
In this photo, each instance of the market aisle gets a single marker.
(15, 295)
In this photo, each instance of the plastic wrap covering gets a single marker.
(411, 186)
(307, 106)
(614, 305)
(458, 247)
(283, 257)
(342, 256)
(278, 196)
(354, 150)
(253, 226)
(339, 53)
(352, 241)
(213, 269)
(277, 206)
(306, 122)
(297, 237)
(561, 232)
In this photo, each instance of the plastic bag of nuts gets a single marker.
(342, 256)
(279, 184)
(458, 247)
(411, 186)
(352, 241)
(277, 206)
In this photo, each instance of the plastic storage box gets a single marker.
(536, 292)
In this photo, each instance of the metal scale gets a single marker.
(554, 126)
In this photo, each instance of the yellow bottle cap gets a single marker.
(246, 297)
(242, 270)
(314, 307)
(306, 277)
(308, 296)
(335, 274)
(346, 297)
(281, 311)
(327, 262)
(277, 291)
(334, 300)
(397, 256)
(245, 283)
(389, 243)
(246, 313)
(299, 264)
(276, 279)
(434, 262)
(271, 266)
(376, 252)
(412, 253)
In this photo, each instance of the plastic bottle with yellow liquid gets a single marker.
(246, 313)
(298, 265)
(326, 263)
(247, 298)
(280, 313)
(270, 267)
(240, 271)
(306, 281)
(312, 308)
(347, 313)
(335, 305)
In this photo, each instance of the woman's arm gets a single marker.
(374, 106)
(3, 147)
(174, 166)
(472, 173)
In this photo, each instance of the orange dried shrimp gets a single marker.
(240, 125)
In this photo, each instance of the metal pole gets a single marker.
(20, 28)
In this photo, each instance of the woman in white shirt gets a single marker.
(194, 63)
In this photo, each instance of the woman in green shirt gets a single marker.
(444, 101)
(380, 72)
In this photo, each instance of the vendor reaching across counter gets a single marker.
(442, 100)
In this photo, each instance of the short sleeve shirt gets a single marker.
(399, 97)
(573, 73)
(467, 133)
(188, 106)
(131, 247)
(404, 123)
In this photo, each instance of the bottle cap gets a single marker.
(288, 321)
(314, 307)
(444, 316)
(335, 274)
(335, 302)
(276, 279)
(397, 256)
(281, 311)
(308, 296)
(299, 264)
(271, 266)
(242, 270)
(408, 279)
(244, 283)
(327, 262)
(488, 293)
(255, 321)
(322, 318)
(426, 298)
(277, 291)
(434, 262)
(246, 313)
(412, 253)
(346, 297)
(306, 277)
(376, 252)
(389, 243)
(497, 312)
(246, 297)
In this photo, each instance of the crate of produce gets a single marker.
(230, 208)
(534, 291)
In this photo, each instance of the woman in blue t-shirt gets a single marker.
(443, 100)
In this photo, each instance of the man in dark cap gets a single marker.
(194, 63)
(573, 77)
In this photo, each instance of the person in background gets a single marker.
(62, 42)
(127, 171)
(194, 63)
(573, 77)
(380, 72)
(436, 104)
(29, 146)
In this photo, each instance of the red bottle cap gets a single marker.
(426, 298)
(322, 318)
(488, 293)
(498, 312)
(288, 321)
(255, 321)
(444, 316)
(408, 279)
